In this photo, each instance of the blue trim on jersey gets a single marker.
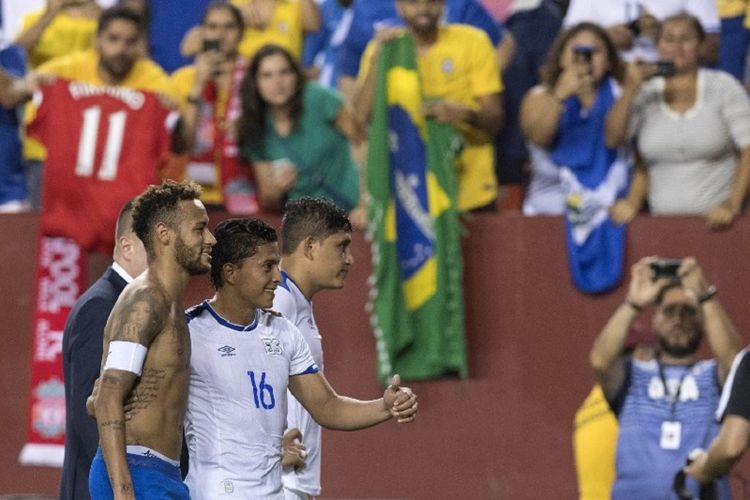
(229, 324)
(310, 370)
(195, 311)
(284, 280)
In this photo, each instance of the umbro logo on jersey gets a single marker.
(226, 350)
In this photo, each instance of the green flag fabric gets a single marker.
(417, 308)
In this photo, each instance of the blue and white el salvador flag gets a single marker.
(593, 177)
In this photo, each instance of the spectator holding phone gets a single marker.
(664, 406)
(692, 132)
(210, 90)
(563, 117)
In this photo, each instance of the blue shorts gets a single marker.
(152, 478)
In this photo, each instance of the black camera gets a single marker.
(583, 53)
(664, 68)
(211, 44)
(665, 268)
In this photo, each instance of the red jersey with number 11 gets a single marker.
(105, 145)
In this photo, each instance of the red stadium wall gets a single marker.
(503, 433)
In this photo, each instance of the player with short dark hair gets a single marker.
(244, 358)
(147, 352)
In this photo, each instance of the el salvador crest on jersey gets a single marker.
(272, 346)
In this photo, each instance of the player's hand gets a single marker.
(642, 290)
(91, 400)
(695, 468)
(293, 452)
(400, 402)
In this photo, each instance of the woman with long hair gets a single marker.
(296, 133)
(563, 117)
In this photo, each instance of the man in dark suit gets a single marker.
(82, 353)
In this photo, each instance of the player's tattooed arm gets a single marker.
(141, 317)
(138, 318)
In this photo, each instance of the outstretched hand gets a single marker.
(400, 402)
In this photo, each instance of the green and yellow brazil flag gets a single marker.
(417, 296)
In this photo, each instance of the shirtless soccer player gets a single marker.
(147, 352)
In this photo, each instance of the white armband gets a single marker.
(127, 356)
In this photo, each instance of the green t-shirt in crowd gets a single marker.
(319, 151)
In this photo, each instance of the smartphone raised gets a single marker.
(664, 68)
(665, 268)
(209, 45)
(583, 53)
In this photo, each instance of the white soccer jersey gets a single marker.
(236, 406)
(291, 302)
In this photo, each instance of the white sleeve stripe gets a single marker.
(728, 383)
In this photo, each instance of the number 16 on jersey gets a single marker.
(262, 392)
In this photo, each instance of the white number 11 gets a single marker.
(112, 148)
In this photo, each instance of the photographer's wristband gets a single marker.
(709, 294)
(633, 305)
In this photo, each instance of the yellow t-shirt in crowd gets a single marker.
(731, 8)
(594, 444)
(460, 67)
(63, 36)
(285, 30)
(82, 67)
(182, 80)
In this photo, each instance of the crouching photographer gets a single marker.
(665, 406)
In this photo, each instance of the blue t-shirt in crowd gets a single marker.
(372, 14)
(12, 177)
(323, 46)
(169, 20)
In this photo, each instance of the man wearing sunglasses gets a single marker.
(665, 406)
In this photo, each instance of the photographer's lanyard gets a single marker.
(671, 430)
